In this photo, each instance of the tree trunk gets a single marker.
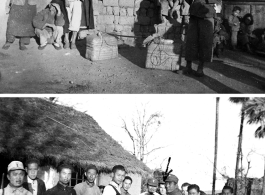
(216, 144)
(239, 151)
(263, 185)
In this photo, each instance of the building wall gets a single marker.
(104, 179)
(124, 17)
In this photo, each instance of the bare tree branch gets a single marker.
(130, 135)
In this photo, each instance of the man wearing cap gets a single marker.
(88, 186)
(172, 185)
(152, 185)
(15, 175)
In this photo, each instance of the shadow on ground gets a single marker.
(240, 75)
(136, 55)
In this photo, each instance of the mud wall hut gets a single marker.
(32, 127)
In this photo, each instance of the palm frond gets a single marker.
(260, 132)
(255, 110)
(238, 100)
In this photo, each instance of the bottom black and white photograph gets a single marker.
(132, 145)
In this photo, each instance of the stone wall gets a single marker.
(137, 18)
(125, 17)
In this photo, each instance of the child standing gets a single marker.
(234, 23)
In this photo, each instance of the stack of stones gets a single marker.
(136, 18)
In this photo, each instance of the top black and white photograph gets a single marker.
(132, 46)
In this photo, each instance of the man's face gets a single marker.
(65, 175)
(32, 170)
(119, 176)
(185, 190)
(236, 13)
(162, 189)
(194, 192)
(226, 192)
(16, 178)
(91, 175)
(151, 189)
(171, 186)
(126, 184)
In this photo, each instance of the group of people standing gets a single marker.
(59, 18)
(24, 181)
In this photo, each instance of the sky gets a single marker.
(187, 133)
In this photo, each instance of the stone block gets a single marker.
(150, 13)
(109, 28)
(126, 3)
(127, 29)
(136, 28)
(100, 7)
(130, 12)
(101, 27)
(144, 29)
(106, 19)
(116, 11)
(142, 12)
(145, 4)
(104, 10)
(126, 20)
(109, 10)
(138, 3)
(152, 29)
(111, 2)
(116, 19)
(143, 20)
(118, 28)
(123, 12)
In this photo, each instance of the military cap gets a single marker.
(15, 165)
(173, 178)
(152, 182)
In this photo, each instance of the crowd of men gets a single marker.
(24, 181)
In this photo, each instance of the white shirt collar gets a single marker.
(30, 180)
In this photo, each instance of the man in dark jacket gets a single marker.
(33, 184)
(62, 188)
(199, 45)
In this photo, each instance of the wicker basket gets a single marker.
(164, 56)
(101, 47)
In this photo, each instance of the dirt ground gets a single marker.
(67, 71)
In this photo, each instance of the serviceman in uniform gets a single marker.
(152, 185)
(172, 185)
(15, 175)
(199, 45)
(62, 188)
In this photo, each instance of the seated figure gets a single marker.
(49, 26)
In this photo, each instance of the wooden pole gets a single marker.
(216, 144)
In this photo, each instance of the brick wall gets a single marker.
(133, 18)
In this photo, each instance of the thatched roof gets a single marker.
(32, 127)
